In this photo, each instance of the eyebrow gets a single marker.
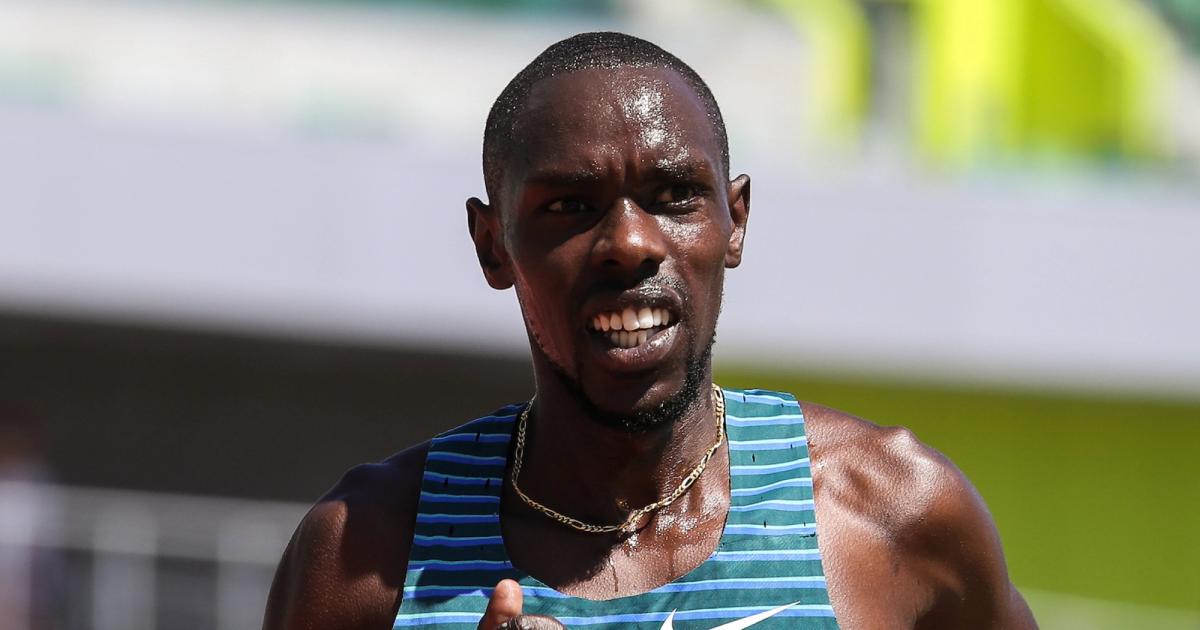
(685, 169)
(672, 169)
(564, 177)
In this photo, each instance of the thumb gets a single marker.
(504, 604)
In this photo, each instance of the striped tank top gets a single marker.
(766, 570)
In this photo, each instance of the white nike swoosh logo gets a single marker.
(740, 623)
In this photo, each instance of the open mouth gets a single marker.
(631, 327)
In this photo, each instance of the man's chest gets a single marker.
(635, 564)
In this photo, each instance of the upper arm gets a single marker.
(311, 583)
(344, 566)
(965, 555)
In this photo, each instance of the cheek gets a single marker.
(700, 238)
(702, 259)
(545, 313)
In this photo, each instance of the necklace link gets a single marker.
(629, 525)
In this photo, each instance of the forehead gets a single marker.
(597, 119)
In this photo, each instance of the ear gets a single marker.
(483, 222)
(739, 212)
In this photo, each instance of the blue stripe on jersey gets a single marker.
(771, 530)
(490, 438)
(790, 506)
(800, 610)
(762, 469)
(771, 554)
(765, 421)
(459, 565)
(454, 518)
(763, 445)
(433, 497)
(456, 541)
(460, 479)
(459, 458)
(482, 591)
(802, 482)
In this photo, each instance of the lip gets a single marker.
(644, 357)
(638, 358)
(652, 296)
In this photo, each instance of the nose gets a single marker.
(630, 241)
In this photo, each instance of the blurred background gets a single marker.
(233, 263)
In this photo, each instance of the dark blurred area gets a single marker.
(227, 415)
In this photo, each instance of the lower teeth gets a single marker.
(630, 338)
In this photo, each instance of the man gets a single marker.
(630, 492)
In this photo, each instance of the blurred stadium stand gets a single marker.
(232, 263)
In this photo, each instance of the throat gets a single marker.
(603, 481)
(678, 531)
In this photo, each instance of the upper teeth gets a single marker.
(632, 319)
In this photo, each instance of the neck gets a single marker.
(586, 468)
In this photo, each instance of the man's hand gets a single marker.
(504, 612)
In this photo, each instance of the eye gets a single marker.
(567, 206)
(678, 194)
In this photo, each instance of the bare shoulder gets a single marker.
(345, 565)
(886, 469)
(918, 525)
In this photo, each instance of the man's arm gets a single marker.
(959, 533)
(345, 565)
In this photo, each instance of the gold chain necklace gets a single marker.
(630, 524)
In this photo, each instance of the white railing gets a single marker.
(138, 560)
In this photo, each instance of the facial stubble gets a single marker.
(676, 406)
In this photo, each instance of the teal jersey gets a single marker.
(765, 572)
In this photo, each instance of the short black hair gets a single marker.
(584, 51)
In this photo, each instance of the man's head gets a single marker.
(581, 52)
(611, 212)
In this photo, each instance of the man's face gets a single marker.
(615, 223)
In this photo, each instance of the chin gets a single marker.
(644, 406)
(661, 413)
(639, 401)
